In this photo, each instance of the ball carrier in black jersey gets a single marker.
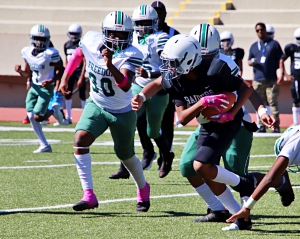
(194, 85)
(74, 34)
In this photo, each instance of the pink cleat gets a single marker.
(89, 201)
(143, 199)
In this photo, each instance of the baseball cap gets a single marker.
(158, 4)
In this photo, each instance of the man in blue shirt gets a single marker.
(264, 57)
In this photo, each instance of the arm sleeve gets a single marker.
(54, 55)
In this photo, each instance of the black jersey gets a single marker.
(235, 54)
(213, 76)
(293, 51)
(69, 48)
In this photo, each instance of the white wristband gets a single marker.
(143, 96)
(28, 82)
(149, 74)
(262, 111)
(250, 203)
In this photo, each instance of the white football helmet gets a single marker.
(74, 32)
(208, 37)
(227, 40)
(117, 21)
(39, 37)
(297, 36)
(270, 30)
(145, 20)
(181, 54)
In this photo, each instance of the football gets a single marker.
(208, 112)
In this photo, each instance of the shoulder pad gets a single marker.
(219, 68)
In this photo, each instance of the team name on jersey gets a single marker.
(297, 54)
(195, 98)
(37, 67)
(98, 70)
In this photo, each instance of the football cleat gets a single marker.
(25, 121)
(166, 165)
(147, 163)
(286, 192)
(120, 175)
(239, 224)
(214, 216)
(89, 201)
(43, 149)
(143, 199)
(246, 186)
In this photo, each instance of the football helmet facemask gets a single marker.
(181, 54)
(145, 20)
(297, 36)
(39, 37)
(226, 39)
(74, 32)
(117, 22)
(208, 37)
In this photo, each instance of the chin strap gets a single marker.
(143, 39)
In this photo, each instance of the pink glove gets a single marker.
(222, 118)
(215, 101)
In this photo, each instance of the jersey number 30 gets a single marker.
(106, 85)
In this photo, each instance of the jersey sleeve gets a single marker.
(221, 72)
(288, 50)
(161, 41)
(53, 54)
(240, 53)
(135, 60)
(23, 52)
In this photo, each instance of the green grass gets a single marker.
(168, 217)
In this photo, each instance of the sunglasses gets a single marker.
(260, 30)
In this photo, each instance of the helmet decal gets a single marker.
(119, 18)
(203, 34)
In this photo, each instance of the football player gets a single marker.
(194, 83)
(110, 63)
(41, 63)
(292, 50)
(74, 34)
(287, 154)
(151, 42)
(236, 155)
(236, 54)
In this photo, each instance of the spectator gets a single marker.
(264, 57)
(74, 34)
(236, 54)
(292, 50)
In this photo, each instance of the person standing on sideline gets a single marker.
(111, 62)
(74, 34)
(41, 63)
(167, 125)
(264, 57)
(292, 51)
(236, 54)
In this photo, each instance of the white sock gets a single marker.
(84, 169)
(226, 177)
(37, 128)
(227, 199)
(68, 108)
(209, 198)
(135, 168)
(82, 104)
(296, 111)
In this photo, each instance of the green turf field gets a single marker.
(38, 190)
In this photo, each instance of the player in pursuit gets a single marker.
(110, 63)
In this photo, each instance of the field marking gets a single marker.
(72, 130)
(16, 210)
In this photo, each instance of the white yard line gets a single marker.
(16, 210)
(45, 129)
